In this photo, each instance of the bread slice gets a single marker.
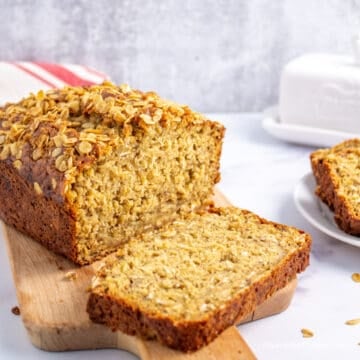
(186, 283)
(84, 169)
(337, 174)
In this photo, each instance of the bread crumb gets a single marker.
(353, 322)
(37, 188)
(70, 275)
(355, 277)
(306, 333)
(16, 310)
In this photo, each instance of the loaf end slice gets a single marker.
(183, 285)
(337, 174)
(84, 169)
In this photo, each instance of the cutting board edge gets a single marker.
(39, 331)
(72, 339)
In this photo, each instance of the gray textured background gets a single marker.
(214, 55)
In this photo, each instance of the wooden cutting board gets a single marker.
(52, 294)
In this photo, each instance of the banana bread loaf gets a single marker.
(337, 175)
(83, 169)
(187, 282)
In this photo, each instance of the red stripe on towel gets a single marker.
(64, 74)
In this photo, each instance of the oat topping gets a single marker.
(70, 275)
(353, 322)
(306, 333)
(17, 164)
(37, 188)
(74, 122)
(53, 183)
(84, 147)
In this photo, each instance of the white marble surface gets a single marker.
(258, 173)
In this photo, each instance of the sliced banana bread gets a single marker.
(83, 169)
(337, 174)
(184, 284)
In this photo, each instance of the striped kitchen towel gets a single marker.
(18, 79)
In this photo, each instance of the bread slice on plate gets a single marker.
(337, 174)
(187, 282)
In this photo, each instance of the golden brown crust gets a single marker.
(40, 217)
(190, 335)
(328, 186)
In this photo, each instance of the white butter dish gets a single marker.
(321, 91)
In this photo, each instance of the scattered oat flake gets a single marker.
(355, 277)
(15, 310)
(306, 333)
(353, 322)
(70, 275)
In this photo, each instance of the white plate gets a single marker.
(301, 134)
(317, 213)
